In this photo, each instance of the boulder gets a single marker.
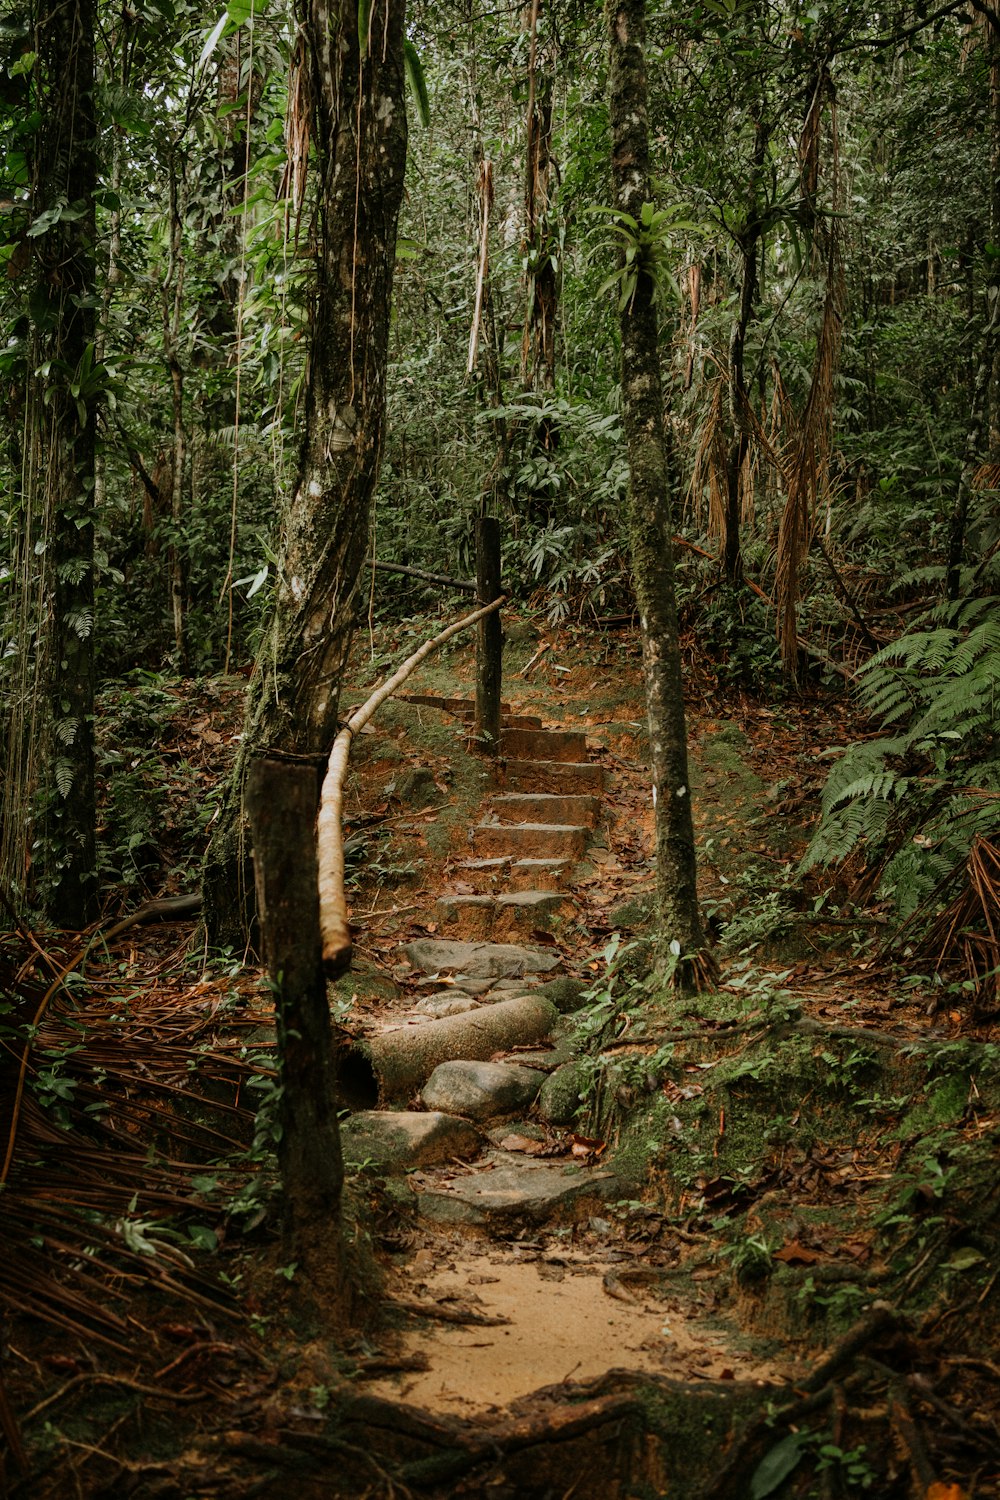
(559, 1096)
(395, 1141)
(481, 1090)
(479, 960)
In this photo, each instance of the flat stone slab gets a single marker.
(530, 840)
(451, 1002)
(481, 1090)
(479, 960)
(519, 1190)
(546, 807)
(394, 1141)
(552, 776)
(543, 744)
(513, 915)
(505, 872)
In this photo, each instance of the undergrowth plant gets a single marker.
(912, 800)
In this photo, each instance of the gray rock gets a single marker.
(519, 1192)
(559, 1096)
(395, 1141)
(453, 1002)
(479, 960)
(417, 788)
(565, 994)
(481, 1090)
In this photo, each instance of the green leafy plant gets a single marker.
(911, 801)
(644, 246)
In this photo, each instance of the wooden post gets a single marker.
(489, 638)
(282, 795)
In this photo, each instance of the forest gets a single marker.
(499, 861)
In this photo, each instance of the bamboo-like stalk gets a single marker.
(334, 929)
(486, 198)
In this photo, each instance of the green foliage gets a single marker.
(911, 802)
(645, 247)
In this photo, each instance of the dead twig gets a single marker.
(444, 1314)
(89, 1377)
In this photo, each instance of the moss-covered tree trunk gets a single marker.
(281, 806)
(359, 142)
(62, 307)
(649, 500)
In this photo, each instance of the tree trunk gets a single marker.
(485, 341)
(538, 341)
(359, 137)
(281, 799)
(489, 637)
(649, 519)
(65, 172)
(172, 292)
(739, 400)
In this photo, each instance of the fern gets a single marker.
(910, 802)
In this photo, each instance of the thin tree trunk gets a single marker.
(282, 797)
(649, 516)
(66, 171)
(495, 487)
(538, 341)
(172, 292)
(732, 553)
(739, 399)
(974, 437)
(359, 136)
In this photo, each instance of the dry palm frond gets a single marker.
(693, 279)
(484, 187)
(298, 115)
(966, 934)
(986, 477)
(806, 468)
(708, 474)
(126, 1099)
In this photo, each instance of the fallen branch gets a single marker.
(545, 646)
(334, 928)
(818, 1390)
(784, 1026)
(167, 909)
(444, 1314)
(453, 583)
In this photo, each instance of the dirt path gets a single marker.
(523, 1253)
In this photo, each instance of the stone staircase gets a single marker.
(535, 828)
(495, 936)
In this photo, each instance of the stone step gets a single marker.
(545, 807)
(478, 960)
(447, 705)
(516, 1192)
(544, 744)
(503, 872)
(551, 776)
(521, 721)
(514, 915)
(530, 840)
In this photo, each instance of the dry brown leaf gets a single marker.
(524, 1144)
(794, 1254)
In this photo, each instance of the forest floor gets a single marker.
(769, 1263)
